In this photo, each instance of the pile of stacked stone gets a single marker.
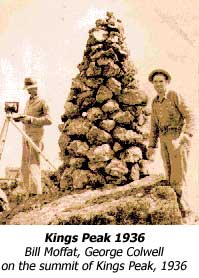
(105, 123)
(4, 204)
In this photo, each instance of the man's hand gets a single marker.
(182, 139)
(26, 120)
(18, 117)
(150, 153)
(22, 118)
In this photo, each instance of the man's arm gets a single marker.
(154, 134)
(45, 119)
(186, 114)
(154, 131)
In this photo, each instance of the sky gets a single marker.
(46, 39)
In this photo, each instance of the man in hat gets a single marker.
(36, 115)
(172, 123)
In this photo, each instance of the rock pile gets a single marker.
(4, 205)
(105, 123)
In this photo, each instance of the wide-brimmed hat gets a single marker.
(29, 83)
(161, 71)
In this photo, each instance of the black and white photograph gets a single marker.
(99, 113)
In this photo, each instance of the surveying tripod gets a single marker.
(3, 135)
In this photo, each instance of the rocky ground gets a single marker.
(147, 201)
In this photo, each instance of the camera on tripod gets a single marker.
(11, 107)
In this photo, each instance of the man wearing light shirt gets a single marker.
(172, 123)
(36, 115)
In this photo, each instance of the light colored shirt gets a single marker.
(169, 112)
(39, 112)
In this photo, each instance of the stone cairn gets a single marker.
(104, 127)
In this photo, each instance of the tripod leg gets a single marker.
(35, 147)
(38, 150)
(3, 135)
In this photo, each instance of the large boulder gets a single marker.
(123, 117)
(114, 85)
(133, 155)
(107, 125)
(94, 114)
(98, 136)
(78, 126)
(124, 135)
(133, 97)
(110, 106)
(70, 109)
(100, 153)
(103, 94)
(116, 168)
(78, 148)
(142, 202)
